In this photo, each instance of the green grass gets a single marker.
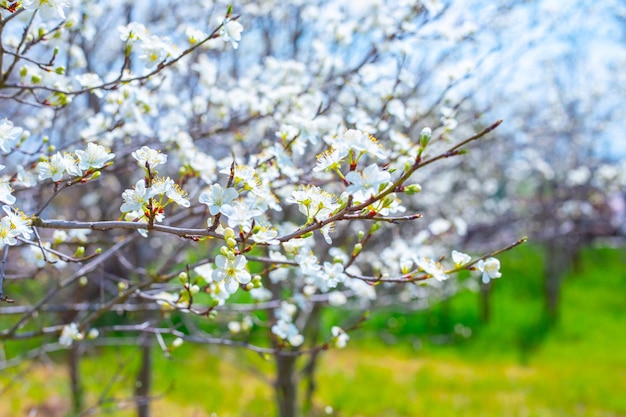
(517, 364)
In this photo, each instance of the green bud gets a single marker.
(248, 286)
(23, 71)
(122, 286)
(60, 70)
(80, 251)
(231, 242)
(413, 189)
(62, 99)
(425, 136)
(225, 251)
(229, 233)
(183, 297)
(212, 315)
(360, 235)
(307, 234)
(35, 79)
(95, 175)
(83, 281)
(357, 249)
(98, 251)
(183, 277)
(375, 227)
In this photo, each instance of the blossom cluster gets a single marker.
(146, 201)
(81, 163)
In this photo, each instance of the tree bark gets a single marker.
(75, 379)
(559, 258)
(144, 379)
(312, 329)
(286, 386)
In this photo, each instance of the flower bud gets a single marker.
(80, 251)
(122, 286)
(425, 136)
(412, 189)
(229, 233)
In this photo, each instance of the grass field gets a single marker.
(397, 365)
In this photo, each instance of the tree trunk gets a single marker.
(312, 330)
(560, 254)
(144, 379)
(286, 386)
(75, 379)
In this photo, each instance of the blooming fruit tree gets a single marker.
(192, 175)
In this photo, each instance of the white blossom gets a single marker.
(69, 334)
(340, 337)
(231, 32)
(9, 135)
(490, 269)
(460, 258)
(288, 332)
(432, 268)
(148, 156)
(216, 196)
(136, 198)
(232, 271)
(95, 156)
(48, 8)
